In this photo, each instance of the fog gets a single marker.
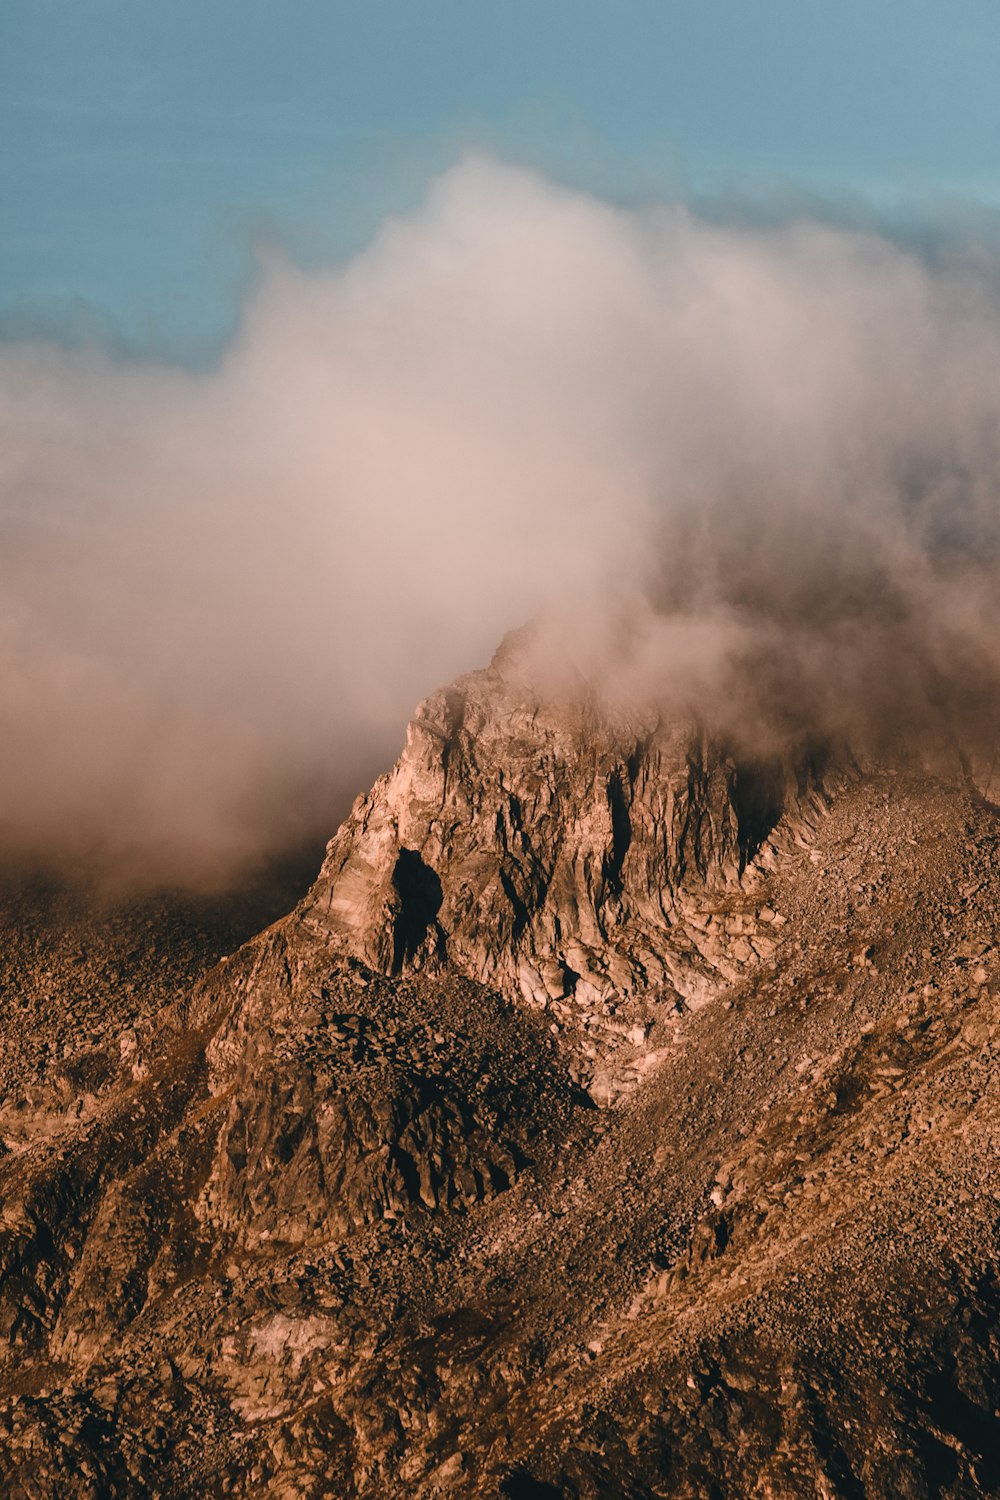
(751, 472)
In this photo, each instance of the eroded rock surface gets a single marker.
(351, 1097)
(586, 861)
(611, 1118)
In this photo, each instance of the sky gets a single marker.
(149, 153)
(338, 341)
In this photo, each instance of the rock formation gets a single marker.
(614, 1116)
(574, 857)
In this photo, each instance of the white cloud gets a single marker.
(220, 594)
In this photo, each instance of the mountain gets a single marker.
(615, 1115)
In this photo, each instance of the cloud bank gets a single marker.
(757, 470)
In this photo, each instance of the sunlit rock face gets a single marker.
(564, 852)
(616, 1114)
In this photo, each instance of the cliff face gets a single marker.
(613, 1116)
(562, 853)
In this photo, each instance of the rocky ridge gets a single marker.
(589, 863)
(611, 1118)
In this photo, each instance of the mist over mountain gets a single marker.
(749, 471)
(614, 1115)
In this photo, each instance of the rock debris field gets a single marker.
(609, 1118)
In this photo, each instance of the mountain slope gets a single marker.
(612, 1117)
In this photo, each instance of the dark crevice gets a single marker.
(975, 1428)
(521, 913)
(758, 796)
(635, 760)
(570, 978)
(621, 834)
(523, 1486)
(420, 898)
(409, 1172)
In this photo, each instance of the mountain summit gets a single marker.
(614, 1116)
(589, 862)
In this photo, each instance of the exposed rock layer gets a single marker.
(557, 851)
(341, 1220)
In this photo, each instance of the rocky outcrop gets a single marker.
(341, 1220)
(349, 1098)
(559, 851)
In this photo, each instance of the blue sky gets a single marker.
(147, 147)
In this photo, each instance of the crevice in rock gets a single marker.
(621, 834)
(420, 898)
(521, 914)
(758, 796)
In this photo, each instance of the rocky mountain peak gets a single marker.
(562, 850)
(340, 1216)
